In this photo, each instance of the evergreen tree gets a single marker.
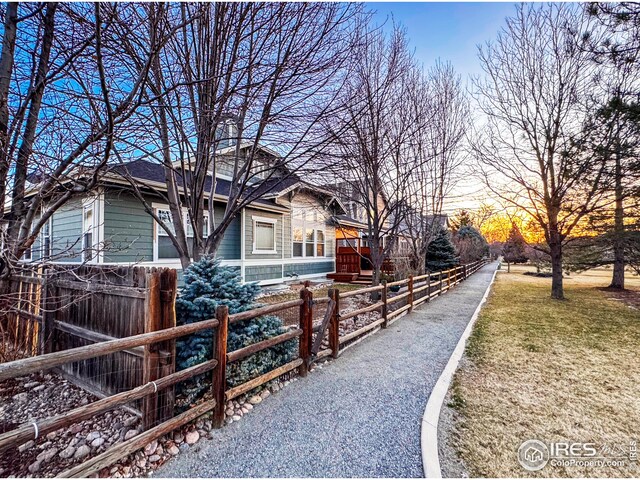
(470, 244)
(514, 249)
(207, 285)
(441, 253)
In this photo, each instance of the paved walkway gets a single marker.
(359, 416)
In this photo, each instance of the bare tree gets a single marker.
(372, 137)
(240, 93)
(535, 97)
(443, 108)
(66, 94)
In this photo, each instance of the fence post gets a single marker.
(334, 324)
(48, 312)
(428, 286)
(219, 380)
(410, 297)
(151, 360)
(306, 324)
(448, 279)
(383, 309)
(464, 271)
(440, 289)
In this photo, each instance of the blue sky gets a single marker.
(450, 31)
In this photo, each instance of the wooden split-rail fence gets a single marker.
(390, 307)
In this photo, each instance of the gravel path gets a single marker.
(359, 416)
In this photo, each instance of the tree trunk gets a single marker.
(617, 280)
(557, 288)
(6, 68)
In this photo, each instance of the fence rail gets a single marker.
(385, 303)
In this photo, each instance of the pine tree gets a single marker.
(441, 253)
(207, 285)
(514, 249)
(470, 244)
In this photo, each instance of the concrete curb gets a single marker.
(429, 431)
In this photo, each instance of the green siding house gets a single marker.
(288, 233)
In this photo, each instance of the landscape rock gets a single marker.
(21, 397)
(178, 437)
(26, 446)
(34, 467)
(82, 451)
(255, 400)
(47, 455)
(248, 406)
(264, 394)
(192, 437)
(31, 384)
(236, 418)
(98, 442)
(151, 448)
(154, 458)
(92, 436)
(67, 452)
(130, 434)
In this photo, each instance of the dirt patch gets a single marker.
(630, 297)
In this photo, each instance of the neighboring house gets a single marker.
(289, 232)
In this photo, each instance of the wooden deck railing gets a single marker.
(390, 306)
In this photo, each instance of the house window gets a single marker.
(88, 216)
(27, 255)
(298, 241)
(308, 239)
(166, 249)
(45, 240)
(205, 231)
(264, 235)
(319, 243)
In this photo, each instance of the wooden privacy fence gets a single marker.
(327, 333)
(53, 308)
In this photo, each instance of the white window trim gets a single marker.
(272, 221)
(49, 224)
(96, 203)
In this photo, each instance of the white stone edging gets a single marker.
(429, 430)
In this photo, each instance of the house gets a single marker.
(288, 232)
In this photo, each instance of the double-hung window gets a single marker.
(308, 234)
(45, 240)
(264, 235)
(165, 250)
(88, 229)
(165, 247)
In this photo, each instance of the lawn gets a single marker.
(556, 371)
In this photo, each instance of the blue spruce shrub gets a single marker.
(207, 285)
